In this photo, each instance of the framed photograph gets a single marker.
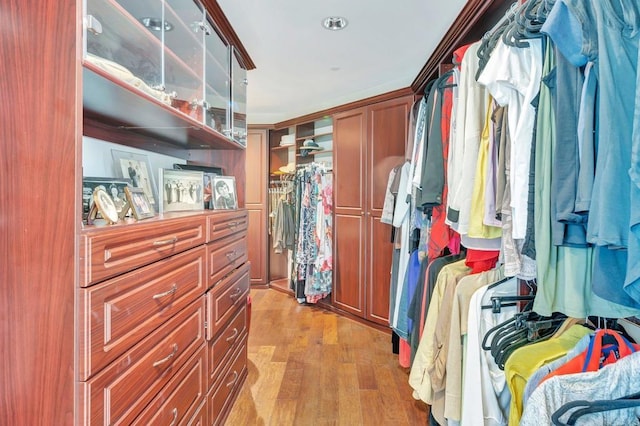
(104, 205)
(139, 203)
(208, 190)
(181, 190)
(224, 193)
(137, 168)
(113, 186)
(206, 169)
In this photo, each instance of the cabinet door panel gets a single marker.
(348, 265)
(349, 143)
(387, 139)
(379, 257)
(257, 172)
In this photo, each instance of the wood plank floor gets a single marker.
(308, 366)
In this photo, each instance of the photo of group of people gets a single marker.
(181, 190)
(176, 191)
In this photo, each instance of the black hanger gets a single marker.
(502, 281)
(589, 407)
(496, 302)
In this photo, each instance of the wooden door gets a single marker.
(349, 149)
(387, 136)
(256, 204)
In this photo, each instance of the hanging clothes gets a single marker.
(313, 252)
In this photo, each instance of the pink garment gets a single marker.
(404, 357)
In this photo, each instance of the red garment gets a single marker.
(441, 233)
(597, 355)
(481, 260)
(404, 357)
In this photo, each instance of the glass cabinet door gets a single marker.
(183, 67)
(123, 38)
(217, 79)
(239, 101)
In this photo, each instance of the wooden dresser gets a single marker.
(162, 313)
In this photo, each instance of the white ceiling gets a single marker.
(302, 68)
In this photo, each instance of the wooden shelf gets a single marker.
(319, 135)
(283, 148)
(124, 107)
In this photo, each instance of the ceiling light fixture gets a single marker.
(334, 23)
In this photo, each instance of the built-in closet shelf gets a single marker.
(324, 151)
(318, 135)
(125, 107)
(284, 147)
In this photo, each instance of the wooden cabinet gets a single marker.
(368, 143)
(155, 340)
(257, 204)
(105, 325)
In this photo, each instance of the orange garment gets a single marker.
(597, 354)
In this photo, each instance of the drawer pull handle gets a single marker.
(168, 357)
(236, 293)
(233, 336)
(235, 378)
(174, 288)
(174, 421)
(230, 254)
(165, 242)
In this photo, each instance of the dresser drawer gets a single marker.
(224, 224)
(222, 347)
(177, 402)
(107, 252)
(116, 314)
(225, 256)
(223, 298)
(118, 393)
(219, 401)
(200, 418)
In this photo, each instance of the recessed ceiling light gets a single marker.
(334, 23)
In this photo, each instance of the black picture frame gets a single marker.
(218, 171)
(89, 184)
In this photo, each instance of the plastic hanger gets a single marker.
(589, 407)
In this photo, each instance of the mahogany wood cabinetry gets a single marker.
(158, 341)
(368, 143)
(257, 205)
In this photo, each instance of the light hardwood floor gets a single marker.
(308, 366)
